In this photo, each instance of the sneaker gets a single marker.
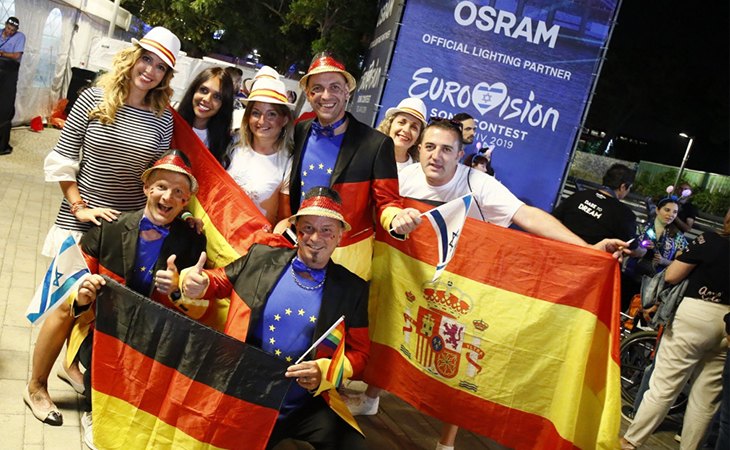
(627, 412)
(88, 432)
(362, 405)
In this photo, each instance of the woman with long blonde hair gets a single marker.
(114, 132)
(260, 161)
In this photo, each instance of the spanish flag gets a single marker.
(162, 380)
(517, 340)
(232, 222)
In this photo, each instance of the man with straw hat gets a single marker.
(336, 150)
(142, 250)
(282, 300)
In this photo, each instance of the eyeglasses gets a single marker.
(451, 123)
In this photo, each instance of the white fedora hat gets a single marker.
(412, 106)
(263, 72)
(162, 42)
(268, 90)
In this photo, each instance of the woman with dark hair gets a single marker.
(115, 131)
(260, 160)
(208, 107)
(693, 344)
(660, 241)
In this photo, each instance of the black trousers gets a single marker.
(8, 89)
(318, 425)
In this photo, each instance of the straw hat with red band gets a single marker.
(268, 90)
(265, 72)
(324, 64)
(162, 42)
(412, 106)
(174, 161)
(324, 202)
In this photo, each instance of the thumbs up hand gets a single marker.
(166, 281)
(196, 282)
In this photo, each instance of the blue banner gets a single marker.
(523, 69)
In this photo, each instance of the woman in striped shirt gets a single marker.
(114, 132)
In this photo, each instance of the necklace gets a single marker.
(304, 286)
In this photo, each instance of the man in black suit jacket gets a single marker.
(141, 250)
(358, 162)
(282, 300)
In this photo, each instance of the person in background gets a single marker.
(687, 211)
(12, 46)
(404, 124)
(597, 214)
(236, 75)
(259, 160)
(468, 127)
(207, 106)
(124, 123)
(478, 162)
(693, 344)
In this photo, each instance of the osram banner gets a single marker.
(524, 70)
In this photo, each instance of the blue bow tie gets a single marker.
(326, 130)
(146, 224)
(316, 274)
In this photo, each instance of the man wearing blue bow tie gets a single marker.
(141, 250)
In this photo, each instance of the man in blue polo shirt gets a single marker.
(12, 44)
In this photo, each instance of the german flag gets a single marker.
(232, 222)
(162, 380)
(517, 340)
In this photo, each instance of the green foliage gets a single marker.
(656, 186)
(715, 203)
(283, 31)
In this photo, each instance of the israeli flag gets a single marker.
(448, 220)
(66, 272)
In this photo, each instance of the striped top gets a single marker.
(111, 157)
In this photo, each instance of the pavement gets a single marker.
(28, 207)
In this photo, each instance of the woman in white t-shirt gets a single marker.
(405, 124)
(207, 106)
(260, 160)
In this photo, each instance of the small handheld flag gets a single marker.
(448, 220)
(325, 335)
(65, 273)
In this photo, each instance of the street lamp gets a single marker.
(686, 156)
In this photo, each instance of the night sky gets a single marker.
(667, 71)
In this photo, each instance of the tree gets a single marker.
(344, 27)
(284, 31)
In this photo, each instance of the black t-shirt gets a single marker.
(709, 280)
(594, 216)
(687, 211)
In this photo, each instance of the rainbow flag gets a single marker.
(232, 223)
(163, 380)
(336, 340)
(517, 340)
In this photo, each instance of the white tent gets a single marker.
(63, 34)
(59, 35)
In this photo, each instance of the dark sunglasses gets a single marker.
(455, 124)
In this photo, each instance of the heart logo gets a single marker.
(486, 97)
